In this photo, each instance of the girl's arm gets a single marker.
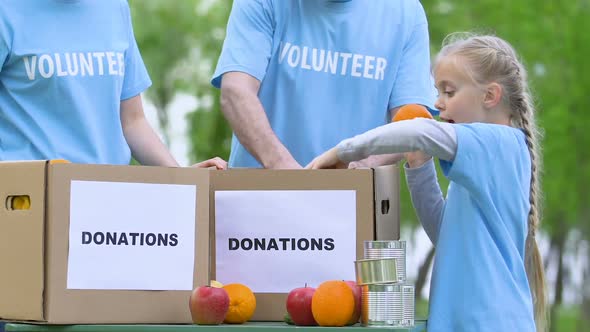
(434, 138)
(427, 197)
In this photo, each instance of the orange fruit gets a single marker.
(58, 161)
(21, 202)
(411, 111)
(333, 303)
(242, 303)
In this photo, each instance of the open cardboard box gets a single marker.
(276, 230)
(65, 259)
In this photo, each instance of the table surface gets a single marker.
(419, 326)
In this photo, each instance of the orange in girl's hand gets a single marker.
(333, 303)
(242, 303)
(411, 111)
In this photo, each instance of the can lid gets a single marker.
(388, 287)
(385, 244)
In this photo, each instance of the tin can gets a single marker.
(408, 304)
(382, 305)
(376, 271)
(388, 249)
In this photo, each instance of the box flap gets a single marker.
(22, 240)
(387, 205)
(67, 306)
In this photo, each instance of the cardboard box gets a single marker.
(68, 258)
(276, 230)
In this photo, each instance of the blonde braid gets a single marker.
(518, 97)
(533, 260)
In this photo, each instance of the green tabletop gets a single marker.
(248, 327)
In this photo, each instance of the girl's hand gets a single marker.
(328, 159)
(216, 162)
(417, 159)
(377, 160)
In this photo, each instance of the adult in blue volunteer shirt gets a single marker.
(297, 77)
(70, 82)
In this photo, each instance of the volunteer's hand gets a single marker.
(285, 162)
(213, 162)
(328, 159)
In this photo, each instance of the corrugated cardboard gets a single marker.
(377, 196)
(387, 204)
(34, 248)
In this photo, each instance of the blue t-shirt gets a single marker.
(329, 70)
(479, 281)
(65, 68)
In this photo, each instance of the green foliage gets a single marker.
(421, 309)
(567, 318)
(180, 42)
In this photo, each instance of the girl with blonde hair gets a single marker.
(488, 274)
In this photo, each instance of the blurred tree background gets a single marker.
(180, 41)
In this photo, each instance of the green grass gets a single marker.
(421, 309)
(567, 318)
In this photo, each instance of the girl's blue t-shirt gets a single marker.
(65, 67)
(479, 281)
(329, 70)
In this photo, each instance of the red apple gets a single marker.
(357, 293)
(299, 306)
(208, 305)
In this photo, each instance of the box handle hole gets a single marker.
(18, 202)
(385, 206)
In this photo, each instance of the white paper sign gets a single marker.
(274, 241)
(134, 236)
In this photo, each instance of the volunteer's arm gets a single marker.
(146, 147)
(245, 114)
